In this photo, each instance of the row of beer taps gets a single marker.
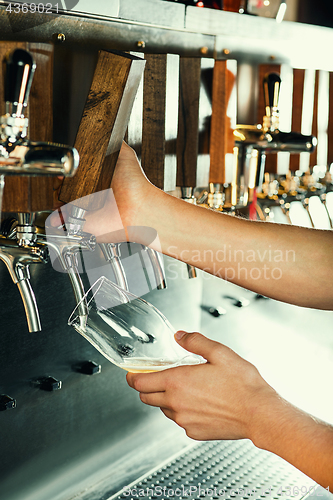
(283, 191)
(24, 239)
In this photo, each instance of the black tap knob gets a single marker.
(47, 383)
(87, 367)
(6, 402)
(217, 311)
(20, 68)
(272, 84)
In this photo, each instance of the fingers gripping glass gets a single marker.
(129, 331)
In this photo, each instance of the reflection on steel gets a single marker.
(37, 158)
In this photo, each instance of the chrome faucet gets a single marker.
(18, 155)
(18, 254)
(19, 243)
(66, 243)
(157, 266)
(112, 254)
(253, 142)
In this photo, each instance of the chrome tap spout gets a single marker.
(157, 266)
(37, 158)
(65, 252)
(111, 252)
(187, 195)
(17, 260)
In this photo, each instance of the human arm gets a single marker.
(287, 263)
(227, 398)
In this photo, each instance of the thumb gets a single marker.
(56, 218)
(198, 344)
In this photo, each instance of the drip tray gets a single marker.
(221, 469)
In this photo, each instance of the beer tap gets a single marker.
(99, 138)
(66, 244)
(156, 262)
(19, 245)
(252, 143)
(17, 256)
(18, 155)
(112, 254)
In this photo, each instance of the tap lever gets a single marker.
(20, 68)
(293, 142)
(272, 84)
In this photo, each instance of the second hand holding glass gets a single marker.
(129, 331)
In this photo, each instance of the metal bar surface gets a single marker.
(102, 33)
(207, 32)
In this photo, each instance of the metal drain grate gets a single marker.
(226, 470)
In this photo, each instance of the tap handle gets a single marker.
(272, 84)
(20, 68)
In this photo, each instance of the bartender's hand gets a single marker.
(125, 205)
(226, 398)
(216, 400)
(124, 208)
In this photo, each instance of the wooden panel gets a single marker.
(188, 121)
(102, 127)
(221, 138)
(160, 119)
(153, 132)
(41, 122)
(330, 121)
(298, 91)
(232, 5)
(271, 159)
(313, 156)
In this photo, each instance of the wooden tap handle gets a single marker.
(188, 121)
(221, 139)
(102, 127)
(160, 119)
